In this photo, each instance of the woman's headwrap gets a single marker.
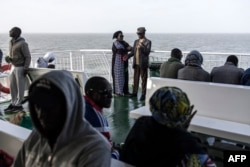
(170, 106)
(115, 35)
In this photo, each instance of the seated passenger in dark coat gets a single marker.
(169, 69)
(228, 73)
(245, 79)
(193, 70)
(162, 139)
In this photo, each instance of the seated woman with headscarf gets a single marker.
(162, 139)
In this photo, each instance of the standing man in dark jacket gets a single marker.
(140, 51)
(20, 58)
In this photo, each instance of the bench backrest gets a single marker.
(222, 101)
(80, 76)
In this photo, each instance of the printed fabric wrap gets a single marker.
(22, 119)
(170, 106)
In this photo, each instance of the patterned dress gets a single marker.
(118, 69)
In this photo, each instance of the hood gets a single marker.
(194, 58)
(49, 57)
(75, 125)
(17, 40)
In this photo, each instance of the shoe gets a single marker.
(14, 109)
(9, 107)
(118, 95)
(133, 95)
(128, 94)
(142, 97)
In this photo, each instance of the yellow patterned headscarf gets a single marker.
(170, 106)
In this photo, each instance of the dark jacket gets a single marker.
(193, 73)
(169, 69)
(144, 53)
(228, 73)
(150, 144)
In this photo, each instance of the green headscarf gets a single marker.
(170, 106)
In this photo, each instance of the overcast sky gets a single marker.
(105, 16)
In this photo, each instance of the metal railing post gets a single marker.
(71, 61)
(82, 62)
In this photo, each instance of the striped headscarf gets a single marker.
(170, 106)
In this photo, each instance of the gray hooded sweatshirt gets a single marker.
(78, 144)
(19, 52)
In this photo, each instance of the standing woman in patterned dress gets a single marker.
(120, 50)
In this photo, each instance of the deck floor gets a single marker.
(117, 115)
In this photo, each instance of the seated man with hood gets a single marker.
(169, 69)
(193, 70)
(62, 136)
(162, 139)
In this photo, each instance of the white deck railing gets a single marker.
(98, 61)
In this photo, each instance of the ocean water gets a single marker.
(228, 43)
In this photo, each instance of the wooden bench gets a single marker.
(223, 109)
